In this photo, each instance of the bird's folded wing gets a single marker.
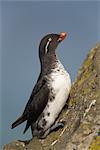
(36, 105)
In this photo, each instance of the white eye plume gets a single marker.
(46, 47)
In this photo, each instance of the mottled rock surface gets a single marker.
(82, 128)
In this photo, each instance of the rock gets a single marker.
(82, 116)
(14, 146)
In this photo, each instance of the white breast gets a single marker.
(61, 84)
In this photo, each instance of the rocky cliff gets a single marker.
(81, 114)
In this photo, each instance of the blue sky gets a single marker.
(23, 24)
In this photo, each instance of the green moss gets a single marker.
(87, 63)
(95, 144)
(89, 59)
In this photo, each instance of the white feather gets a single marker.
(61, 83)
(46, 47)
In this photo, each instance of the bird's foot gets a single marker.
(54, 127)
(57, 125)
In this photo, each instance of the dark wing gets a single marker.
(35, 105)
(40, 83)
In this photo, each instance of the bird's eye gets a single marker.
(47, 44)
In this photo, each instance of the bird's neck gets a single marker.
(48, 63)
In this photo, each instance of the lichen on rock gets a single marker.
(82, 117)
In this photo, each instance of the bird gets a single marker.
(50, 92)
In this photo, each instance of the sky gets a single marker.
(22, 26)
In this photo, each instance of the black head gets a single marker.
(49, 43)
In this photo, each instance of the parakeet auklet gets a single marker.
(50, 92)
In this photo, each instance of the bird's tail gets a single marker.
(20, 120)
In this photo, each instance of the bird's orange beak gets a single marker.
(62, 36)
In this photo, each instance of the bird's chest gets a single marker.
(59, 81)
(59, 84)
